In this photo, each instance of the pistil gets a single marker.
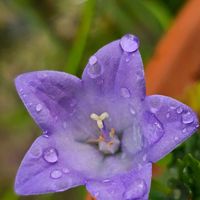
(108, 141)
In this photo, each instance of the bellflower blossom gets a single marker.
(101, 131)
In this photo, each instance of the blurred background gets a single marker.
(61, 35)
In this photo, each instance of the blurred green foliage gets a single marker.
(61, 35)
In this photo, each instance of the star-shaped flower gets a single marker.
(101, 131)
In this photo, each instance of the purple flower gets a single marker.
(101, 131)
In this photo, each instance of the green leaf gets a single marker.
(75, 55)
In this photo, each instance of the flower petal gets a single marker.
(130, 186)
(45, 169)
(177, 120)
(49, 96)
(116, 68)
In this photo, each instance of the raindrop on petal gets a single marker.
(38, 107)
(144, 158)
(124, 92)
(176, 138)
(64, 125)
(187, 118)
(129, 43)
(55, 174)
(94, 69)
(65, 170)
(136, 190)
(93, 60)
(96, 194)
(179, 110)
(168, 115)
(184, 130)
(51, 155)
(36, 151)
(155, 105)
(106, 181)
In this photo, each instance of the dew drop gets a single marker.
(94, 69)
(127, 59)
(36, 151)
(65, 170)
(179, 110)
(96, 194)
(64, 125)
(106, 181)
(124, 92)
(129, 43)
(136, 190)
(187, 118)
(73, 103)
(173, 105)
(184, 130)
(132, 110)
(168, 115)
(93, 60)
(144, 158)
(176, 138)
(50, 155)
(55, 174)
(155, 105)
(38, 107)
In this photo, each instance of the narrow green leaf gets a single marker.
(76, 53)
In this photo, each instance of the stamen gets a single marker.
(112, 133)
(99, 118)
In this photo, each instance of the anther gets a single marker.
(112, 132)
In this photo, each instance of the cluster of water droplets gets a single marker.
(136, 190)
(186, 117)
(50, 155)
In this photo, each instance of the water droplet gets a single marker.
(136, 190)
(93, 60)
(132, 110)
(125, 93)
(179, 110)
(184, 130)
(129, 43)
(56, 174)
(144, 158)
(127, 59)
(173, 105)
(176, 138)
(96, 194)
(51, 155)
(168, 115)
(73, 103)
(106, 181)
(155, 105)
(36, 151)
(64, 125)
(65, 170)
(187, 118)
(38, 107)
(94, 69)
